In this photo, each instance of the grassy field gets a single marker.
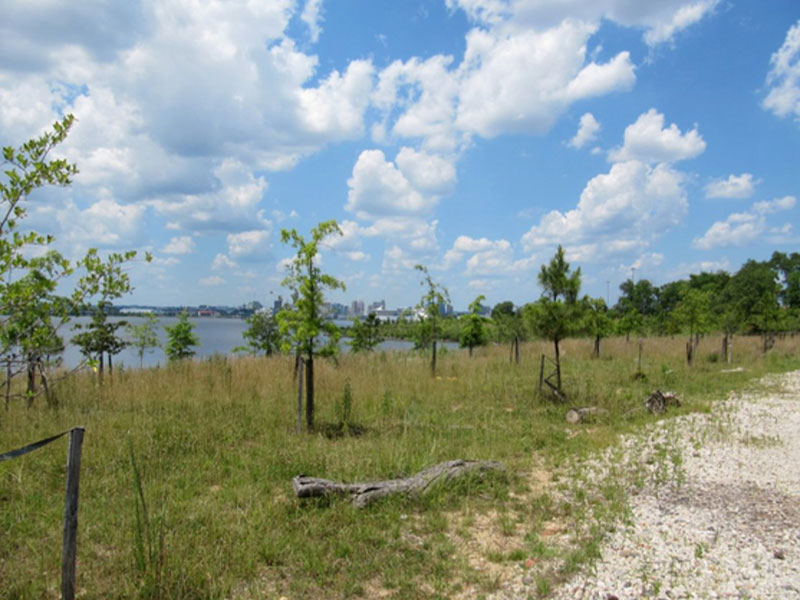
(211, 449)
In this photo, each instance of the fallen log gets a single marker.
(581, 415)
(657, 402)
(362, 494)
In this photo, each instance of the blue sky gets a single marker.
(658, 138)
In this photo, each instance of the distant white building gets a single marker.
(387, 316)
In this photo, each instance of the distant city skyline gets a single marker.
(469, 136)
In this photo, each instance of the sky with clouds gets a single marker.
(655, 138)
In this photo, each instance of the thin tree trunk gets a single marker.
(300, 397)
(43, 376)
(730, 349)
(433, 359)
(100, 370)
(596, 351)
(310, 392)
(558, 366)
(641, 347)
(8, 381)
(470, 350)
(31, 387)
(110, 367)
(696, 346)
(516, 349)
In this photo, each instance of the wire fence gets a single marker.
(70, 543)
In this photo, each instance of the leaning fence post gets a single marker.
(68, 551)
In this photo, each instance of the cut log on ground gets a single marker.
(657, 402)
(363, 493)
(581, 415)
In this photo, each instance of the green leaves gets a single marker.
(557, 281)
(262, 334)
(365, 335)
(181, 339)
(302, 325)
(144, 336)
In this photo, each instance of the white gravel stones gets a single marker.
(723, 531)
(727, 525)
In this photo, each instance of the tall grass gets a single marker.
(186, 485)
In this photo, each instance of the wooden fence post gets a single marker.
(68, 552)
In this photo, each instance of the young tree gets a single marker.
(31, 311)
(181, 339)
(365, 335)
(29, 334)
(432, 302)
(556, 314)
(754, 291)
(144, 337)
(262, 334)
(473, 332)
(596, 321)
(510, 327)
(302, 325)
(108, 280)
(694, 312)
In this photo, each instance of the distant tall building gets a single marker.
(277, 305)
(376, 306)
(357, 308)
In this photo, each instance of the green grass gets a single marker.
(214, 448)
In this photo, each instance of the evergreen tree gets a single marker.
(181, 339)
(365, 335)
(556, 315)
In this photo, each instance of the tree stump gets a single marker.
(362, 494)
(657, 402)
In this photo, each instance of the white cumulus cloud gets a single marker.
(249, 245)
(647, 140)
(311, 16)
(743, 228)
(180, 245)
(619, 211)
(737, 230)
(523, 81)
(587, 131)
(380, 188)
(660, 19)
(735, 187)
(783, 78)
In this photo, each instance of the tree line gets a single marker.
(760, 298)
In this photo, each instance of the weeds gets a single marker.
(213, 513)
(148, 539)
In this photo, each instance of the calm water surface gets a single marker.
(217, 336)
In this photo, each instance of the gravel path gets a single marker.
(722, 522)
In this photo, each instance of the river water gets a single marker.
(217, 336)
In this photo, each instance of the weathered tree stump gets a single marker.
(658, 402)
(362, 494)
(581, 415)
